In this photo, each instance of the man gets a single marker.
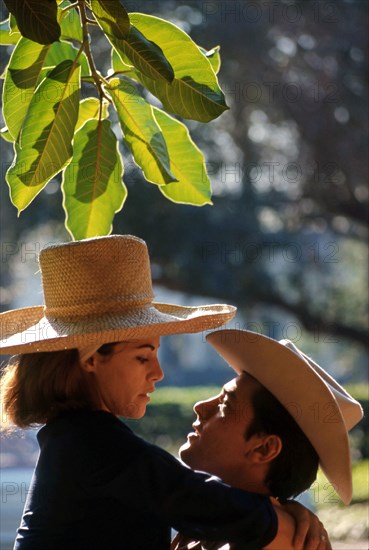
(272, 426)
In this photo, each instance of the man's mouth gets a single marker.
(196, 432)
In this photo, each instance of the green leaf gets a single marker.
(13, 24)
(70, 23)
(45, 142)
(5, 134)
(60, 51)
(7, 35)
(118, 66)
(141, 132)
(144, 54)
(20, 81)
(194, 92)
(213, 56)
(113, 18)
(90, 108)
(92, 183)
(186, 162)
(36, 20)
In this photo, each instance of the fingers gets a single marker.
(303, 518)
(303, 526)
(324, 543)
(318, 540)
(314, 539)
(310, 533)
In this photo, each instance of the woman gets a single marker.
(85, 358)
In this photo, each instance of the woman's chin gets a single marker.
(134, 412)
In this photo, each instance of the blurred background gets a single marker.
(286, 238)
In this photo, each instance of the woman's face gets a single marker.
(126, 376)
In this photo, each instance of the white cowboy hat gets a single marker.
(98, 291)
(320, 406)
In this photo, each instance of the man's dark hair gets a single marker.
(295, 468)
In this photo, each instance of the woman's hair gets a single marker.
(35, 387)
(295, 468)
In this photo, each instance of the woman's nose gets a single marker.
(157, 373)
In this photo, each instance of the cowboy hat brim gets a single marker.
(304, 390)
(28, 330)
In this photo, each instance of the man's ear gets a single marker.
(267, 447)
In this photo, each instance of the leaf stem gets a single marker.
(87, 48)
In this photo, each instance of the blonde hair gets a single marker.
(35, 387)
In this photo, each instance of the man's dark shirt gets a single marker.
(98, 486)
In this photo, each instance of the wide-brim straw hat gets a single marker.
(320, 406)
(98, 291)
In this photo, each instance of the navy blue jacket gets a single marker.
(98, 486)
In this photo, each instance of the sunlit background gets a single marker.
(286, 238)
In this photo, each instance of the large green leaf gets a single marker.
(194, 92)
(7, 35)
(90, 108)
(141, 132)
(186, 162)
(113, 18)
(118, 66)
(70, 22)
(92, 183)
(60, 51)
(20, 81)
(36, 20)
(144, 54)
(45, 145)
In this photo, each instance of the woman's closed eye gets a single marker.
(142, 359)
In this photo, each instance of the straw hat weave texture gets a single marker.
(99, 290)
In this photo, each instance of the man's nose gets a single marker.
(206, 409)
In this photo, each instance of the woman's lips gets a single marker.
(145, 396)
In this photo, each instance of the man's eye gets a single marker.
(142, 359)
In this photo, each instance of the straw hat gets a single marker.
(98, 291)
(321, 407)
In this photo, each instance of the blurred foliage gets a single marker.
(349, 524)
(286, 239)
(289, 165)
(360, 475)
(323, 495)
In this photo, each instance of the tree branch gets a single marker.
(98, 80)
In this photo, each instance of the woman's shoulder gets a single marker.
(94, 427)
(88, 440)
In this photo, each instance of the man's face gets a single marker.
(218, 444)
